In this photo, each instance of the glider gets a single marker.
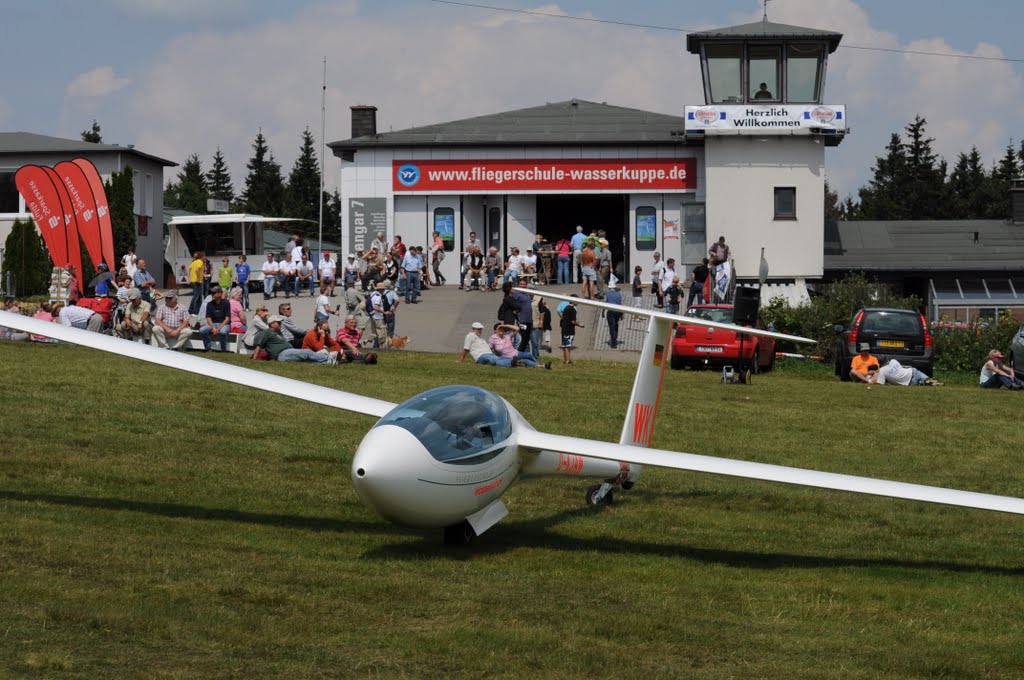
(444, 458)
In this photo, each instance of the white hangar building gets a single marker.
(747, 164)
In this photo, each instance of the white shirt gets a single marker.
(515, 263)
(894, 372)
(327, 268)
(530, 261)
(297, 254)
(271, 267)
(352, 266)
(323, 303)
(476, 346)
(75, 317)
(666, 277)
(287, 267)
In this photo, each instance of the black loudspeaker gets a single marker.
(746, 306)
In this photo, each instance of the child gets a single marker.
(225, 274)
(672, 296)
(569, 326)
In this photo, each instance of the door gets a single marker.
(444, 216)
(694, 228)
(494, 207)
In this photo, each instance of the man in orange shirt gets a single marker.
(863, 366)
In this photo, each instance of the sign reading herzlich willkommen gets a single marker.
(765, 119)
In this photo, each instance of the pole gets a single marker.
(323, 123)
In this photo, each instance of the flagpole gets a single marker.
(323, 123)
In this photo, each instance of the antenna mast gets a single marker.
(323, 122)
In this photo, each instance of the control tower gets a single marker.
(765, 130)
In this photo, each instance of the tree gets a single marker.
(121, 199)
(882, 199)
(218, 179)
(833, 210)
(189, 192)
(92, 134)
(264, 185)
(926, 194)
(304, 184)
(967, 187)
(26, 259)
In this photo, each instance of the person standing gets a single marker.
(411, 265)
(195, 277)
(588, 271)
(577, 250)
(128, 262)
(568, 326)
(528, 341)
(436, 258)
(563, 251)
(719, 252)
(380, 244)
(207, 275)
(242, 273)
(225, 274)
(612, 317)
(668, 274)
(656, 272)
(698, 276)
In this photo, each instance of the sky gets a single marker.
(176, 77)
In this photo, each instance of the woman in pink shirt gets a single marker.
(238, 319)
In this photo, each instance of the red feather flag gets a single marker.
(70, 227)
(83, 204)
(102, 209)
(43, 201)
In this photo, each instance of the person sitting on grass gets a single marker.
(475, 346)
(349, 337)
(319, 339)
(501, 344)
(864, 366)
(995, 375)
(277, 348)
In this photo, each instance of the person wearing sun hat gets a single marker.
(995, 375)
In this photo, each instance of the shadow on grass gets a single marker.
(534, 534)
(214, 514)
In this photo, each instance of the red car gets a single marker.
(698, 346)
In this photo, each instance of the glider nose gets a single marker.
(384, 468)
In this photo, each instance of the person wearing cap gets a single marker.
(217, 321)
(501, 343)
(350, 272)
(273, 343)
(475, 346)
(135, 324)
(864, 366)
(995, 375)
(171, 324)
(374, 273)
(378, 305)
(613, 296)
(604, 267)
(327, 270)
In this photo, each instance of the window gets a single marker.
(785, 203)
(646, 228)
(9, 199)
(803, 64)
(765, 61)
(137, 190)
(724, 74)
(148, 199)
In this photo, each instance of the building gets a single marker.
(23, 148)
(747, 164)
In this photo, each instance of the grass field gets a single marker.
(156, 524)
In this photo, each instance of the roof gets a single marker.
(924, 246)
(275, 241)
(574, 121)
(762, 30)
(29, 142)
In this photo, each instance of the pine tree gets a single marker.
(967, 187)
(264, 185)
(26, 259)
(189, 192)
(218, 179)
(92, 134)
(882, 198)
(925, 191)
(121, 199)
(332, 214)
(304, 183)
(833, 211)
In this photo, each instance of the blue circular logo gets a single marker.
(409, 175)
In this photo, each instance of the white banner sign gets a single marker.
(765, 119)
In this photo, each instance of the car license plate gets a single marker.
(710, 349)
(890, 343)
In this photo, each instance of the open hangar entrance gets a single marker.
(559, 214)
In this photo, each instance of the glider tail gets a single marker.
(646, 397)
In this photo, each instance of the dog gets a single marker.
(399, 342)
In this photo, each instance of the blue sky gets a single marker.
(181, 76)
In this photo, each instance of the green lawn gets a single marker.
(157, 524)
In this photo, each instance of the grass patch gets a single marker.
(159, 524)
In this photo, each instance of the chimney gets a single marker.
(364, 120)
(1017, 201)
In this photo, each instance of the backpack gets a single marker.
(385, 303)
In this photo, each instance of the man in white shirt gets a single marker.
(327, 271)
(304, 276)
(80, 317)
(475, 346)
(270, 269)
(297, 251)
(286, 275)
(668, 275)
(897, 374)
(514, 267)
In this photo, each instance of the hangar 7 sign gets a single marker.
(544, 174)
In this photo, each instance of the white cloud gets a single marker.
(182, 10)
(98, 82)
(217, 88)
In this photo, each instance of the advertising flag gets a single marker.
(83, 204)
(74, 257)
(102, 209)
(42, 200)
